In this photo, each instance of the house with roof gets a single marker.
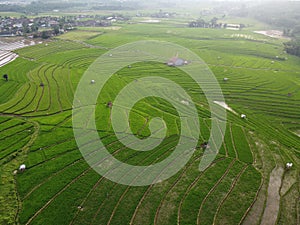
(176, 61)
(233, 26)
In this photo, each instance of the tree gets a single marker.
(242, 26)
(56, 30)
(45, 35)
(5, 76)
(34, 27)
(214, 21)
(201, 23)
(62, 21)
(26, 28)
(293, 47)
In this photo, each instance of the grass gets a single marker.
(17, 78)
(241, 145)
(240, 198)
(58, 180)
(15, 134)
(208, 208)
(79, 35)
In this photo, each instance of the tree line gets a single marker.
(36, 7)
(282, 15)
(213, 23)
(293, 47)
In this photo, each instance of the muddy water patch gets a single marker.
(273, 198)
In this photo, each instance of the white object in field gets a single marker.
(22, 167)
(272, 62)
(225, 106)
(243, 116)
(225, 79)
(92, 81)
(184, 102)
(289, 165)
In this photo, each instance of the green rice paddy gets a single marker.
(59, 187)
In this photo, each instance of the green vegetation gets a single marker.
(80, 35)
(59, 187)
(283, 15)
(293, 47)
(39, 6)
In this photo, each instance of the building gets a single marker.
(176, 61)
(232, 26)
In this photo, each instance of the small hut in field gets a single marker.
(204, 145)
(109, 105)
(176, 61)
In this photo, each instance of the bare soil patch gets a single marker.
(272, 33)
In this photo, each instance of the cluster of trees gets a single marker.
(280, 14)
(292, 31)
(51, 25)
(40, 6)
(213, 23)
(293, 47)
(283, 14)
(163, 14)
(36, 7)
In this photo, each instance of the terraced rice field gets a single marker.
(59, 187)
(6, 54)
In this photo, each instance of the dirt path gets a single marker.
(273, 198)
